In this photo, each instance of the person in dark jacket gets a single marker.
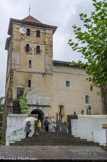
(27, 128)
(46, 124)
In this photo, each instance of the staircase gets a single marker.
(53, 139)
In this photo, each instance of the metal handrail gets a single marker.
(14, 132)
(17, 130)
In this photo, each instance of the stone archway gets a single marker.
(40, 114)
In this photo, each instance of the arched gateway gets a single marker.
(39, 113)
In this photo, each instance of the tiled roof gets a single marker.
(61, 63)
(31, 19)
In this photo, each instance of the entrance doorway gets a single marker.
(39, 113)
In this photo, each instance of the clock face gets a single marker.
(22, 30)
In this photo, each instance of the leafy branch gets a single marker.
(92, 43)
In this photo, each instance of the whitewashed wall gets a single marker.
(15, 128)
(86, 126)
(100, 137)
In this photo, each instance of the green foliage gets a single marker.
(1, 113)
(80, 64)
(1, 142)
(93, 43)
(23, 105)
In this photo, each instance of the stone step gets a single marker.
(52, 139)
(53, 135)
(42, 137)
(48, 142)
(41, 142)
(53, 144)
(50, 135)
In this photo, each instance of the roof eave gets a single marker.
(67, 64)
(29, 23)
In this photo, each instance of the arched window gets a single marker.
(38, 33)
(38, 49)
(28, 32)
(87, 99)
(27, 47)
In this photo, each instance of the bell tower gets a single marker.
(29, 65)
(30, 45)
(30, 51)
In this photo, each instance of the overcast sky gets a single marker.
(61, 13)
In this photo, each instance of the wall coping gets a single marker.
(93, 116)
(17, 115)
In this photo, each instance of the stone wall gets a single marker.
(73, 97)
(40, 62)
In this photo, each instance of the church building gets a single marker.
(51, 87)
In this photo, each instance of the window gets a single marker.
(20, 92)
(38, 49)
(28, 32)
(38, 33)
(87, 100)
(67, 83)
(29, 83)
(30, 64)
(27, 47)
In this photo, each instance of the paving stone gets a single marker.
(93, 153)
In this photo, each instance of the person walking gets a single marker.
(39, 126)
(46, 124)
(27, 128)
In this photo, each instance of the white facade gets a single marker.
(90, 127)
(100, 137)
(15, 128)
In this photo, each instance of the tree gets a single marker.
(92, 43)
